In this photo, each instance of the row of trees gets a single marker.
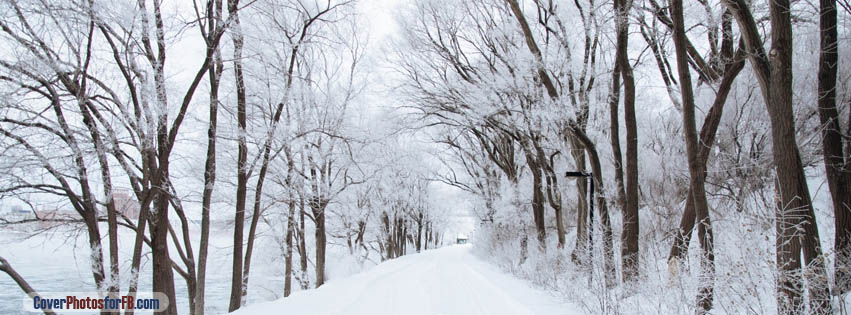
(96, 95)
(508, 87)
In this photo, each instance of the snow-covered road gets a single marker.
(445, 281)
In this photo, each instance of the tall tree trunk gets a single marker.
(112, 225)
(163, 276)
(405, 240)
(257, 211)
(538, 198)
(835, 161)
(398, 237)
(264, 168)
(288, 256)
(318, 207)
(241, 164)
(696, 167)
(798, 209)
(388, 234)
(106, 177)
(302, 246)
(629, 243)
(138, 243)
(427, 236)
(552, 190)
(214, 74)
(614, 134)
(794, 212)
(87, 207)
(419, 232)
(93, 233)
(707, 138)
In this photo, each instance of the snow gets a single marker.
(449, 280)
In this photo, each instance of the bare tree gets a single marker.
(835, 150)
(732, 64)
(794, 211)
(22, 122)
(697, 169)
(213, 19)
(629, 240)
(237, 278)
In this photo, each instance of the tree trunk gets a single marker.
(835, 162)
(318, 207)
(707, 138)
(388, 247)
(419, 232)
(302, 246)
(405, 240)
(427, 236)
(214, 74)
(614, 134)
(138, 243)
(629, 243)
(696, 167)
(241, 164)
(537, 196)
(794, 212)
(257, 211)
(399, 237)
(264, 164)
(163, 276)
(552, 189)
(288, 256)
(794, 193)
(112, 223)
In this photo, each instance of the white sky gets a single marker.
(379, 14)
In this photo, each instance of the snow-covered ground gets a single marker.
(449, 280)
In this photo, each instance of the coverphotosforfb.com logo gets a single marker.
(93, 302)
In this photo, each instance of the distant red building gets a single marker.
(126, 204)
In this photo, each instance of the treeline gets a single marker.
(521, 91)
